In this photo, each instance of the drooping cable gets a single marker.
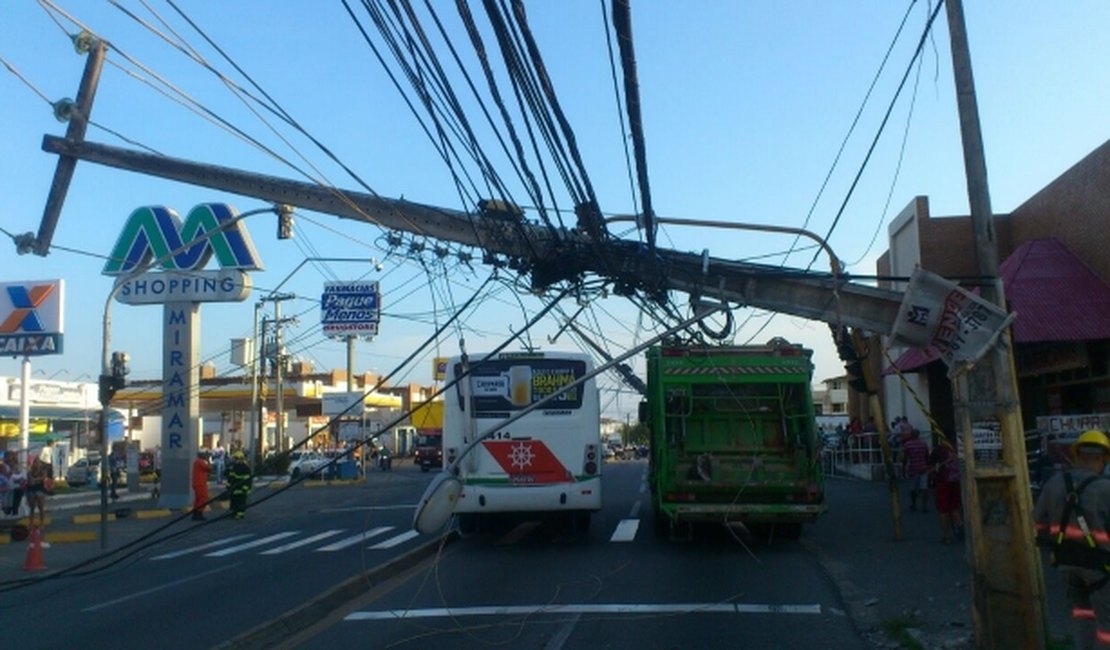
(622, 23)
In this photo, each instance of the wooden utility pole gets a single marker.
(1007, 582)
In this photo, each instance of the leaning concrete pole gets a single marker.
(1007, 583)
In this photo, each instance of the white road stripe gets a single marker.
(147, 592)
(557, 640)
(254, 544)
(626, 530)
(218, 542)
(302, 542)
(394, 541)
(635, 510)
(634, 609)
(355, 539)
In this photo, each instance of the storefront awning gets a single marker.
(912, 360)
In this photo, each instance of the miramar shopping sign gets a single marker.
(181, 249)
(175, 253)
(31, 317)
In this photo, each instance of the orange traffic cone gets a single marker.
(34, 552)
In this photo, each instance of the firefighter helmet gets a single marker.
(1092, 437)
(239, 455)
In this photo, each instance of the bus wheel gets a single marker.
(468, 524)
(581, 521)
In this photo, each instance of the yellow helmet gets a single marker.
(1092, 437)
(238, 455)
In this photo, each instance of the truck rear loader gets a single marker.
(733, 437)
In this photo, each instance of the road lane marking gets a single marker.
(355, 539)
(254, 544)
(556, 642)
(635, 510)
(202, 547)
(592, 608)
(302, 542)
(394, 541)
(362, 508)
(626, 530)
(158, 588)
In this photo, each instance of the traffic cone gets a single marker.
(34, 552)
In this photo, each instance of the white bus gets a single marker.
(548, 461)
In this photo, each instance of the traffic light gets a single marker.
(111, 383)
(853, 364)
(856, 379)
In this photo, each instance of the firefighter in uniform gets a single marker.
(239, 484)
(1072, 517)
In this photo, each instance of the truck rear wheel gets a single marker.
(790, 531)
(662, 523)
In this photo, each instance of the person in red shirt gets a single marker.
(915, 466)
(200, 485)
(945, 464)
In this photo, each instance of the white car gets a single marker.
(305, 462)
(82, 471)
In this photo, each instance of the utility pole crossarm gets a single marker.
(815, 296)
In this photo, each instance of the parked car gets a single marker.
(82, 472)
(305, 462)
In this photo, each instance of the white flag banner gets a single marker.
(936, 313)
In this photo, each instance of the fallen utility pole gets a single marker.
(815, 296)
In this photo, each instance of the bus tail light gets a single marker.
(590, 460)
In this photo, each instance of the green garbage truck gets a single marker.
(733, 438)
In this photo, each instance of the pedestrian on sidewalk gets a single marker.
(915, 466)
(17, 481)
(200, 485)
(37, 484)
(1071, 518)
(945, 464)
(239, 484)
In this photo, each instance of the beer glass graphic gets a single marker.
(520, 385)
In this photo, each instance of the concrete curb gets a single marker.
(295, 621)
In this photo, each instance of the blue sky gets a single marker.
(745, 107)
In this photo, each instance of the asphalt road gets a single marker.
(318, 566)
(208, 583)
(523, 583)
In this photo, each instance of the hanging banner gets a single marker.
(959, 325)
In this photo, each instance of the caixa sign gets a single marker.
(156, 236)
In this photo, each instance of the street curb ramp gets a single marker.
(274, 632)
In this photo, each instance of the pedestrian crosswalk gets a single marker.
(379, 538)
(285, 541)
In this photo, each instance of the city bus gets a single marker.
(547, 462)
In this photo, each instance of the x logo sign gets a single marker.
(24, 301)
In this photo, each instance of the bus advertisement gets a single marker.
(546, 462)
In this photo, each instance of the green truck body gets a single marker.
(733, 436)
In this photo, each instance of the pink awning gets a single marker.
(913, 360)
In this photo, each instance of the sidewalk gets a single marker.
(914, 580)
